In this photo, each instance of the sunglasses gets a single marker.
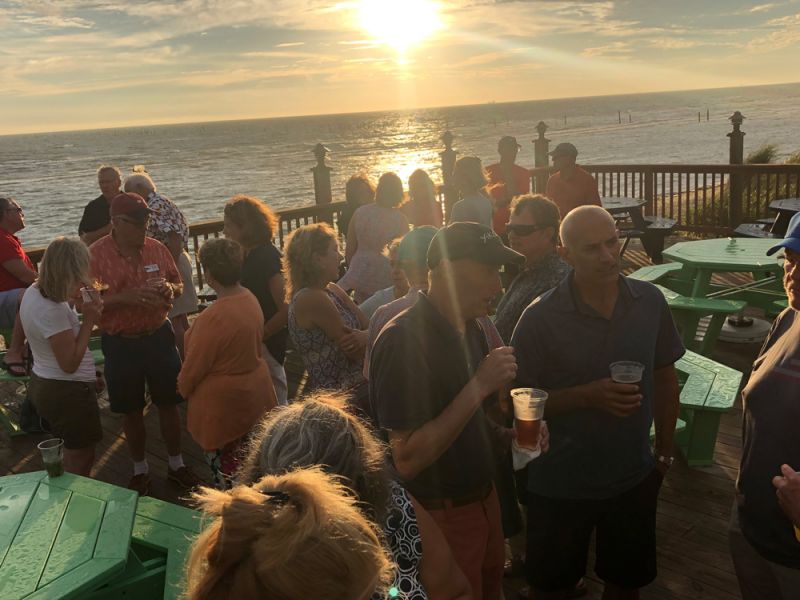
(523, 230)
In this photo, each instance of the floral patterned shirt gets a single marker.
(166, 218)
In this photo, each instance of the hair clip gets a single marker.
(276, 496)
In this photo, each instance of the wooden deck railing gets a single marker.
(702, 198)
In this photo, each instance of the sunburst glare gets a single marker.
(400, 24)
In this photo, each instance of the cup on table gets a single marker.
(528, 414)
(52, 451)
(90, 294)
(626, 371)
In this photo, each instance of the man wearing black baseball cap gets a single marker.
(571, 186)
(506, 181)
(430, 375)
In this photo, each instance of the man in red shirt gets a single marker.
(506, 181)
(16, 273)
(571, 186)
(138, 341)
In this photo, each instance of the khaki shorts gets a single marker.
(70, 407)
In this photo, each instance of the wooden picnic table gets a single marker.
(61, 537)
(651, 230)
(786, 209)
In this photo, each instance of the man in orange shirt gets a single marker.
(506, 181)
(571, 186)
(138, 341)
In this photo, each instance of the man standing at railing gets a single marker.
(96, 221)
(571, 186)
(506, 181)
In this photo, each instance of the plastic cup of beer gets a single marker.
(52, 451)
(90, 294)
(626, 371)
(528, 415)
(156, 282)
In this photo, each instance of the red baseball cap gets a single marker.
(130, 205)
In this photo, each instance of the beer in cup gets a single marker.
(53, 456)
(528, 414)
(626, 371)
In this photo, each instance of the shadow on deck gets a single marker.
(694, 505)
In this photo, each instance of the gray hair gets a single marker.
(320, 431)
(103, 168)
(139, 180)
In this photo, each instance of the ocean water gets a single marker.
(201, 165)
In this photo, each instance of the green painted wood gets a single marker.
(170, 514)
(9, 422)
(14, 501)
(175, 541)
(98, 357)
(699, 381)
(725, 254)
(680, 425)
(653, 273)
(29, 552)
(699, 451)
(81, 580)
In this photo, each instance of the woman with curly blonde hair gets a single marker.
(325, 325)
(294, 537)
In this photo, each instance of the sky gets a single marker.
(83, 64)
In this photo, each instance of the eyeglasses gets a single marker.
(523, 230)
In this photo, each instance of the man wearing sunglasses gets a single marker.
(138, 339)
(533, 232)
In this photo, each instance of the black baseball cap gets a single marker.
(564, 149)
(472, 241)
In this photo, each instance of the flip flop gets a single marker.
(16, 369)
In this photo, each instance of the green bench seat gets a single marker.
(653, 273)
(709, 389)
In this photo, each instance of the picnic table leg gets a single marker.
(700, 436)
(702, 281)
(712, 333)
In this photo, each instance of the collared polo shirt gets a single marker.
(123, 273)
(96, 215)
(578, 190)
(11, 249)
(561, 342)
(418, 366)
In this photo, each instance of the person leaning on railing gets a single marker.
(765, 549)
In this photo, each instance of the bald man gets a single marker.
(601, 474)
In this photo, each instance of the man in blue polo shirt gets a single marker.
(600, 474)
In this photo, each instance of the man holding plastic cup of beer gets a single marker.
(602, 347)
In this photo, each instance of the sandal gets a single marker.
(16, 369)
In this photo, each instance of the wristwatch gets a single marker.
(667, 460)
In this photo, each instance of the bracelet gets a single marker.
(666, 460)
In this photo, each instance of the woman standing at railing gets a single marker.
(373, 226)
(422, 207)
(325, 325)
(252, 224)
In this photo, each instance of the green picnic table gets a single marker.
(62, 537)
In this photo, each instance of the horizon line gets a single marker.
(366, 112)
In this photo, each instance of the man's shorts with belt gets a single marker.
(141, 359)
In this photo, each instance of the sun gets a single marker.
(400, 24)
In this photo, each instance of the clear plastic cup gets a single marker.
(156, 282)
(626, 371)
(90, 294)
(52, 451)
(528, 414)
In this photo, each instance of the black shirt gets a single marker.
(771, 412)
(261, 264)
(97, 214)
(418, 366)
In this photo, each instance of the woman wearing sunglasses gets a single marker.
(533, 232)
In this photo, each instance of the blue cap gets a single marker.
(792, 238)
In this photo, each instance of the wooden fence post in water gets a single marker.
(322, 176)
(541, 146)
(448, 156)
(735, 182)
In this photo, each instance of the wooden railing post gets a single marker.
(448, 156)
(649, 192)
(322, 176)
(541, 147)
(735, 183)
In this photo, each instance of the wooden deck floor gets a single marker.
(694, 562)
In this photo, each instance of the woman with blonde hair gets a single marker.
(320, 431)
(63, 386)
(296, 536)
(253, 224)
(422, 207)
(325, 325)
(225, 378)
(373, 226)
(470, 180)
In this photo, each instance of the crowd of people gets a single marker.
(391, 475)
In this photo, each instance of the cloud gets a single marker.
(761, 8)
(290, 44)
(784, 32)
(614, 49)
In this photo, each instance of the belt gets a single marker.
(445, 503)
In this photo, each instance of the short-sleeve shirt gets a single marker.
(502, 193)
(419, 364)
(560, 342)
(122, 273)
(578, 190)
(43, 318)
(261, 264)
(167, 218)
(11, 249)
(771, 403)
(96, 215)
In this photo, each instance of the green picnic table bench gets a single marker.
(61, 537)
(709, 389)
(654, 273)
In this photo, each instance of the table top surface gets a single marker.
(620, 203)
(785, 205)
(725, 254)
(61, 537)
